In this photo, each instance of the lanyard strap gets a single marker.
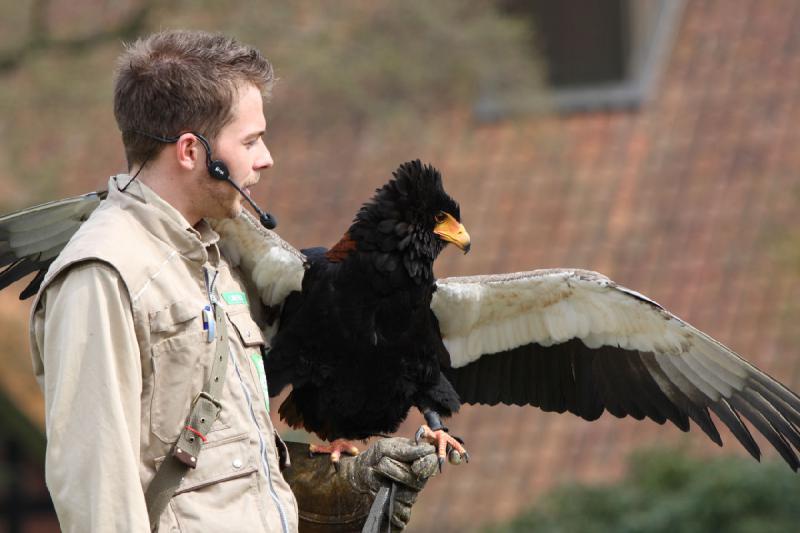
(205, 409)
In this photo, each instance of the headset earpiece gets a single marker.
(218, 169)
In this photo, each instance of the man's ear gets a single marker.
(189, 152)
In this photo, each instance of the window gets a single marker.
(598, 54)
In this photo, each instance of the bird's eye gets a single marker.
(440, 217)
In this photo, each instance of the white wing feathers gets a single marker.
(274, 266)
(32, 238)
(489, 314)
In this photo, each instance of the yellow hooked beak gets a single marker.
(451, 230)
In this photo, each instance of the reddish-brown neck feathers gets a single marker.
(341, 249)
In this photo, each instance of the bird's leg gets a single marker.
(437, 434)
(335, 448)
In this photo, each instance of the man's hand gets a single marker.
(340, 501)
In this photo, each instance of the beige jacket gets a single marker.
(120, 353)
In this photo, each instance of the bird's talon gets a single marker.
(446, 445)
(453, 457)
(466, 456)
(419, 434)
(335, 449)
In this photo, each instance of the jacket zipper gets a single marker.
(262, 447)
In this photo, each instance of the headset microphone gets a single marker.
(267, 220)
(218, 170)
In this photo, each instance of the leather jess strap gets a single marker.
(205, 410)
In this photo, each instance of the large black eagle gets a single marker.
(366, 332)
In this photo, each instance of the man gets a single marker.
(142, 333)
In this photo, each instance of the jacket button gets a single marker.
(237, 463)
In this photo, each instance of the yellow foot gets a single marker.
(335, 448)
(446, 445)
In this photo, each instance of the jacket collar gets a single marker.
(196, 243)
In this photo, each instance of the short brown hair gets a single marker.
(179, 80)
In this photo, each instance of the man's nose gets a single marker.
(265, 161)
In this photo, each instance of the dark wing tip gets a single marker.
(730, 418)
(21, 268)
(33, 287)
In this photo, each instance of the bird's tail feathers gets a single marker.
(289, 412)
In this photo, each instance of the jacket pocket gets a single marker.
(174, 317)
(218, 461)
(253, 349)
(180, 368)
(174, 329)
(246, 327)
(221, 494)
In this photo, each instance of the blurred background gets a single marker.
(655, 141)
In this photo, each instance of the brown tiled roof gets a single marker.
(690, 200)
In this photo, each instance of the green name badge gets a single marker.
(258, 361)
(234, 298)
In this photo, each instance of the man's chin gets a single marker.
(235, 211)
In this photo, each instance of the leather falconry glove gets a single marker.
(331, 501)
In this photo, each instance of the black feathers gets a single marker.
(379, 350)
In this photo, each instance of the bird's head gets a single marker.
(410, 218)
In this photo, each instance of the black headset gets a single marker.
(217, 169)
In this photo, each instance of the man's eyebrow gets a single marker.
(255, 134)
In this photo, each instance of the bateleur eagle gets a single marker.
(366, 331)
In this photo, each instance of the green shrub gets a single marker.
(669, 492)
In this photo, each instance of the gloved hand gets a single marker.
(340, 501)
(400, 460)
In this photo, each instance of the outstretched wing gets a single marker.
(573, 340)
(32, 238)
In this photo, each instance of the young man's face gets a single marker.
(241, 146)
